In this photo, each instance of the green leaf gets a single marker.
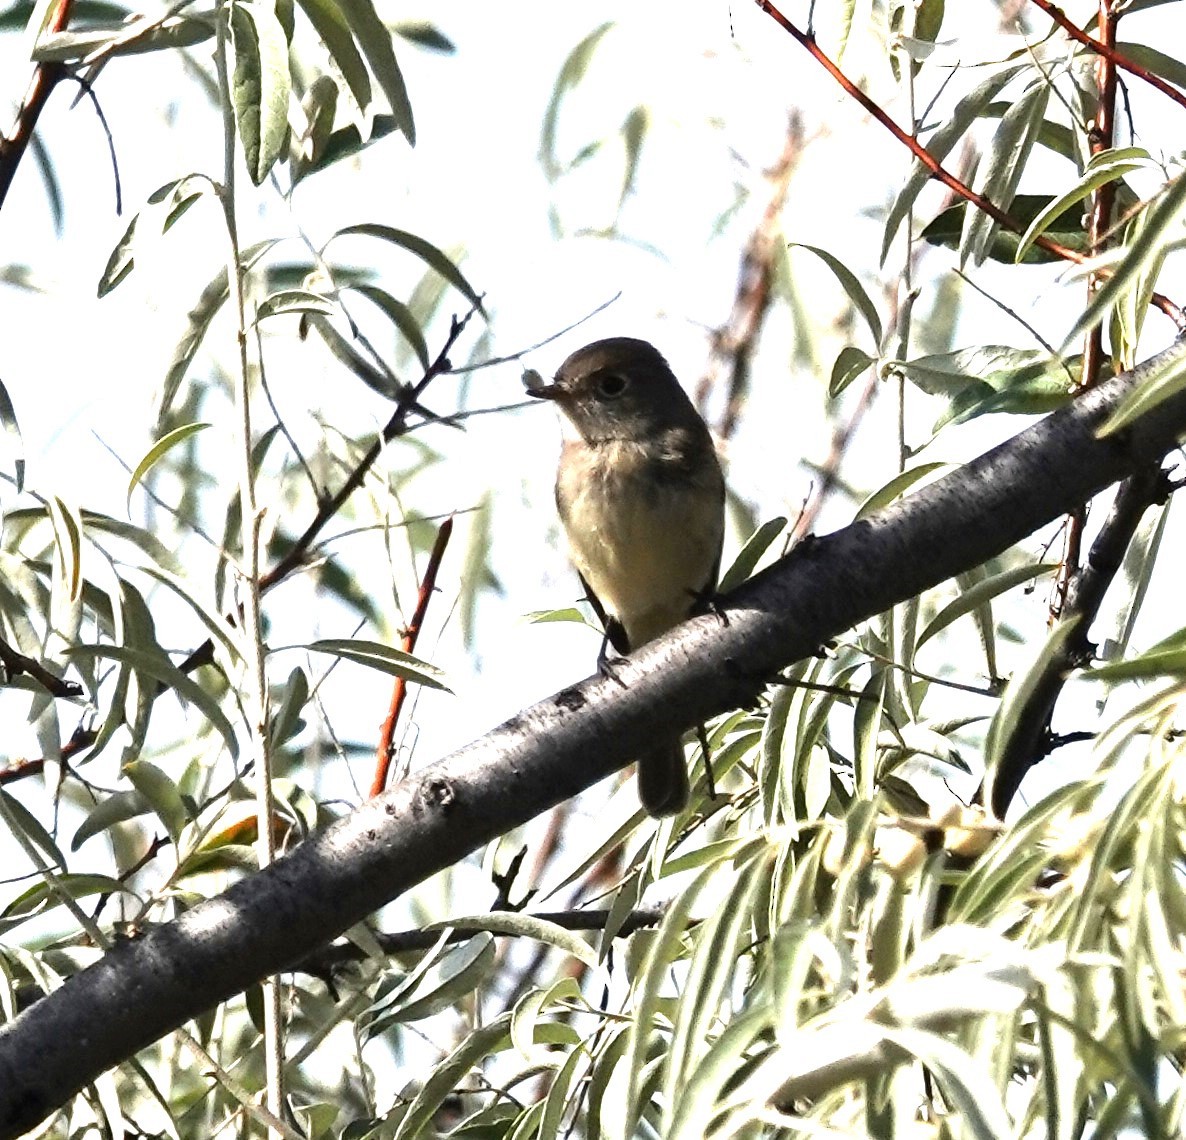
(347, 142)
(448, 1074)
(76, 886)
(330, 24)
(110, 810)
(939, 145)
(158, 450)
(1065, 227)
(174, 198)
(212, 298)
(1014, 700)
(1159, 229)
(1169, 67)
(855, 290)
(67, 527)
(160, 668)
(453, 976)
(757, 545)
(1007, 158)
(571, 73)
(568, 613)
(290, 301)
(526, 926)
(385, 658)
(1105, 167)
(260, 84)
(425, 35)
(1155, 388)
(13, 432)
(160, 793)
(375, 41)
(981, 593)
(850, 363)
(896, 487)
(401, 316)
(425, 250)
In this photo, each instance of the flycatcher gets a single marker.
(642, 500)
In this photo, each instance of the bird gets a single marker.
(641, 497)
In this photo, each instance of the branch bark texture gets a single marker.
(148, 985)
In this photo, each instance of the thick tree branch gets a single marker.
(146, 986)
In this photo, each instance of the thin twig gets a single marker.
(1107, 51)
(411, 633)
(46, 76)
(920, 152)
(1103, 206)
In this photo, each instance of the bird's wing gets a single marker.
(615, 632)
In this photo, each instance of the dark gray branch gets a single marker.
(1032, 740)
(265, 923)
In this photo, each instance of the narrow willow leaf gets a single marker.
(289, 301)
(1007, 158)
(982, 592)
(448, 1074)
(964, 1083)
(1103, 168)
(110, 810)
(13, 432)
(67, 527)
(138, 38)
(757, 545)
(1014, 700)
(939, 144)
(33, 830)
(855, 290)
(158, 450)
(175, 198)
(330, 24)
(385, 658)
(424, 250)
(716, 960)
(1161, 227)
(571, 73)
(75, 886)
(401, 316)
(528, 926)
(701, 1096)
(160, 793)
(260, 84)
(557, 1102)
(850, 363)
(1170, 68)
(568, 613)
(160, 668)
(457, 974)
(212, 298)
(525, 1015)
(897, 487)
(866, 729)
(375, 41)
(1155, 388)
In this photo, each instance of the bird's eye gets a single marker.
(611, 385)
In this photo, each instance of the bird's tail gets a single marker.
(663, 780)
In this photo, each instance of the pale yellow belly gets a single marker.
(647, 551)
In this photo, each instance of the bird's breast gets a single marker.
(644, 530)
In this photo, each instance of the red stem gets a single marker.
(399, 693)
